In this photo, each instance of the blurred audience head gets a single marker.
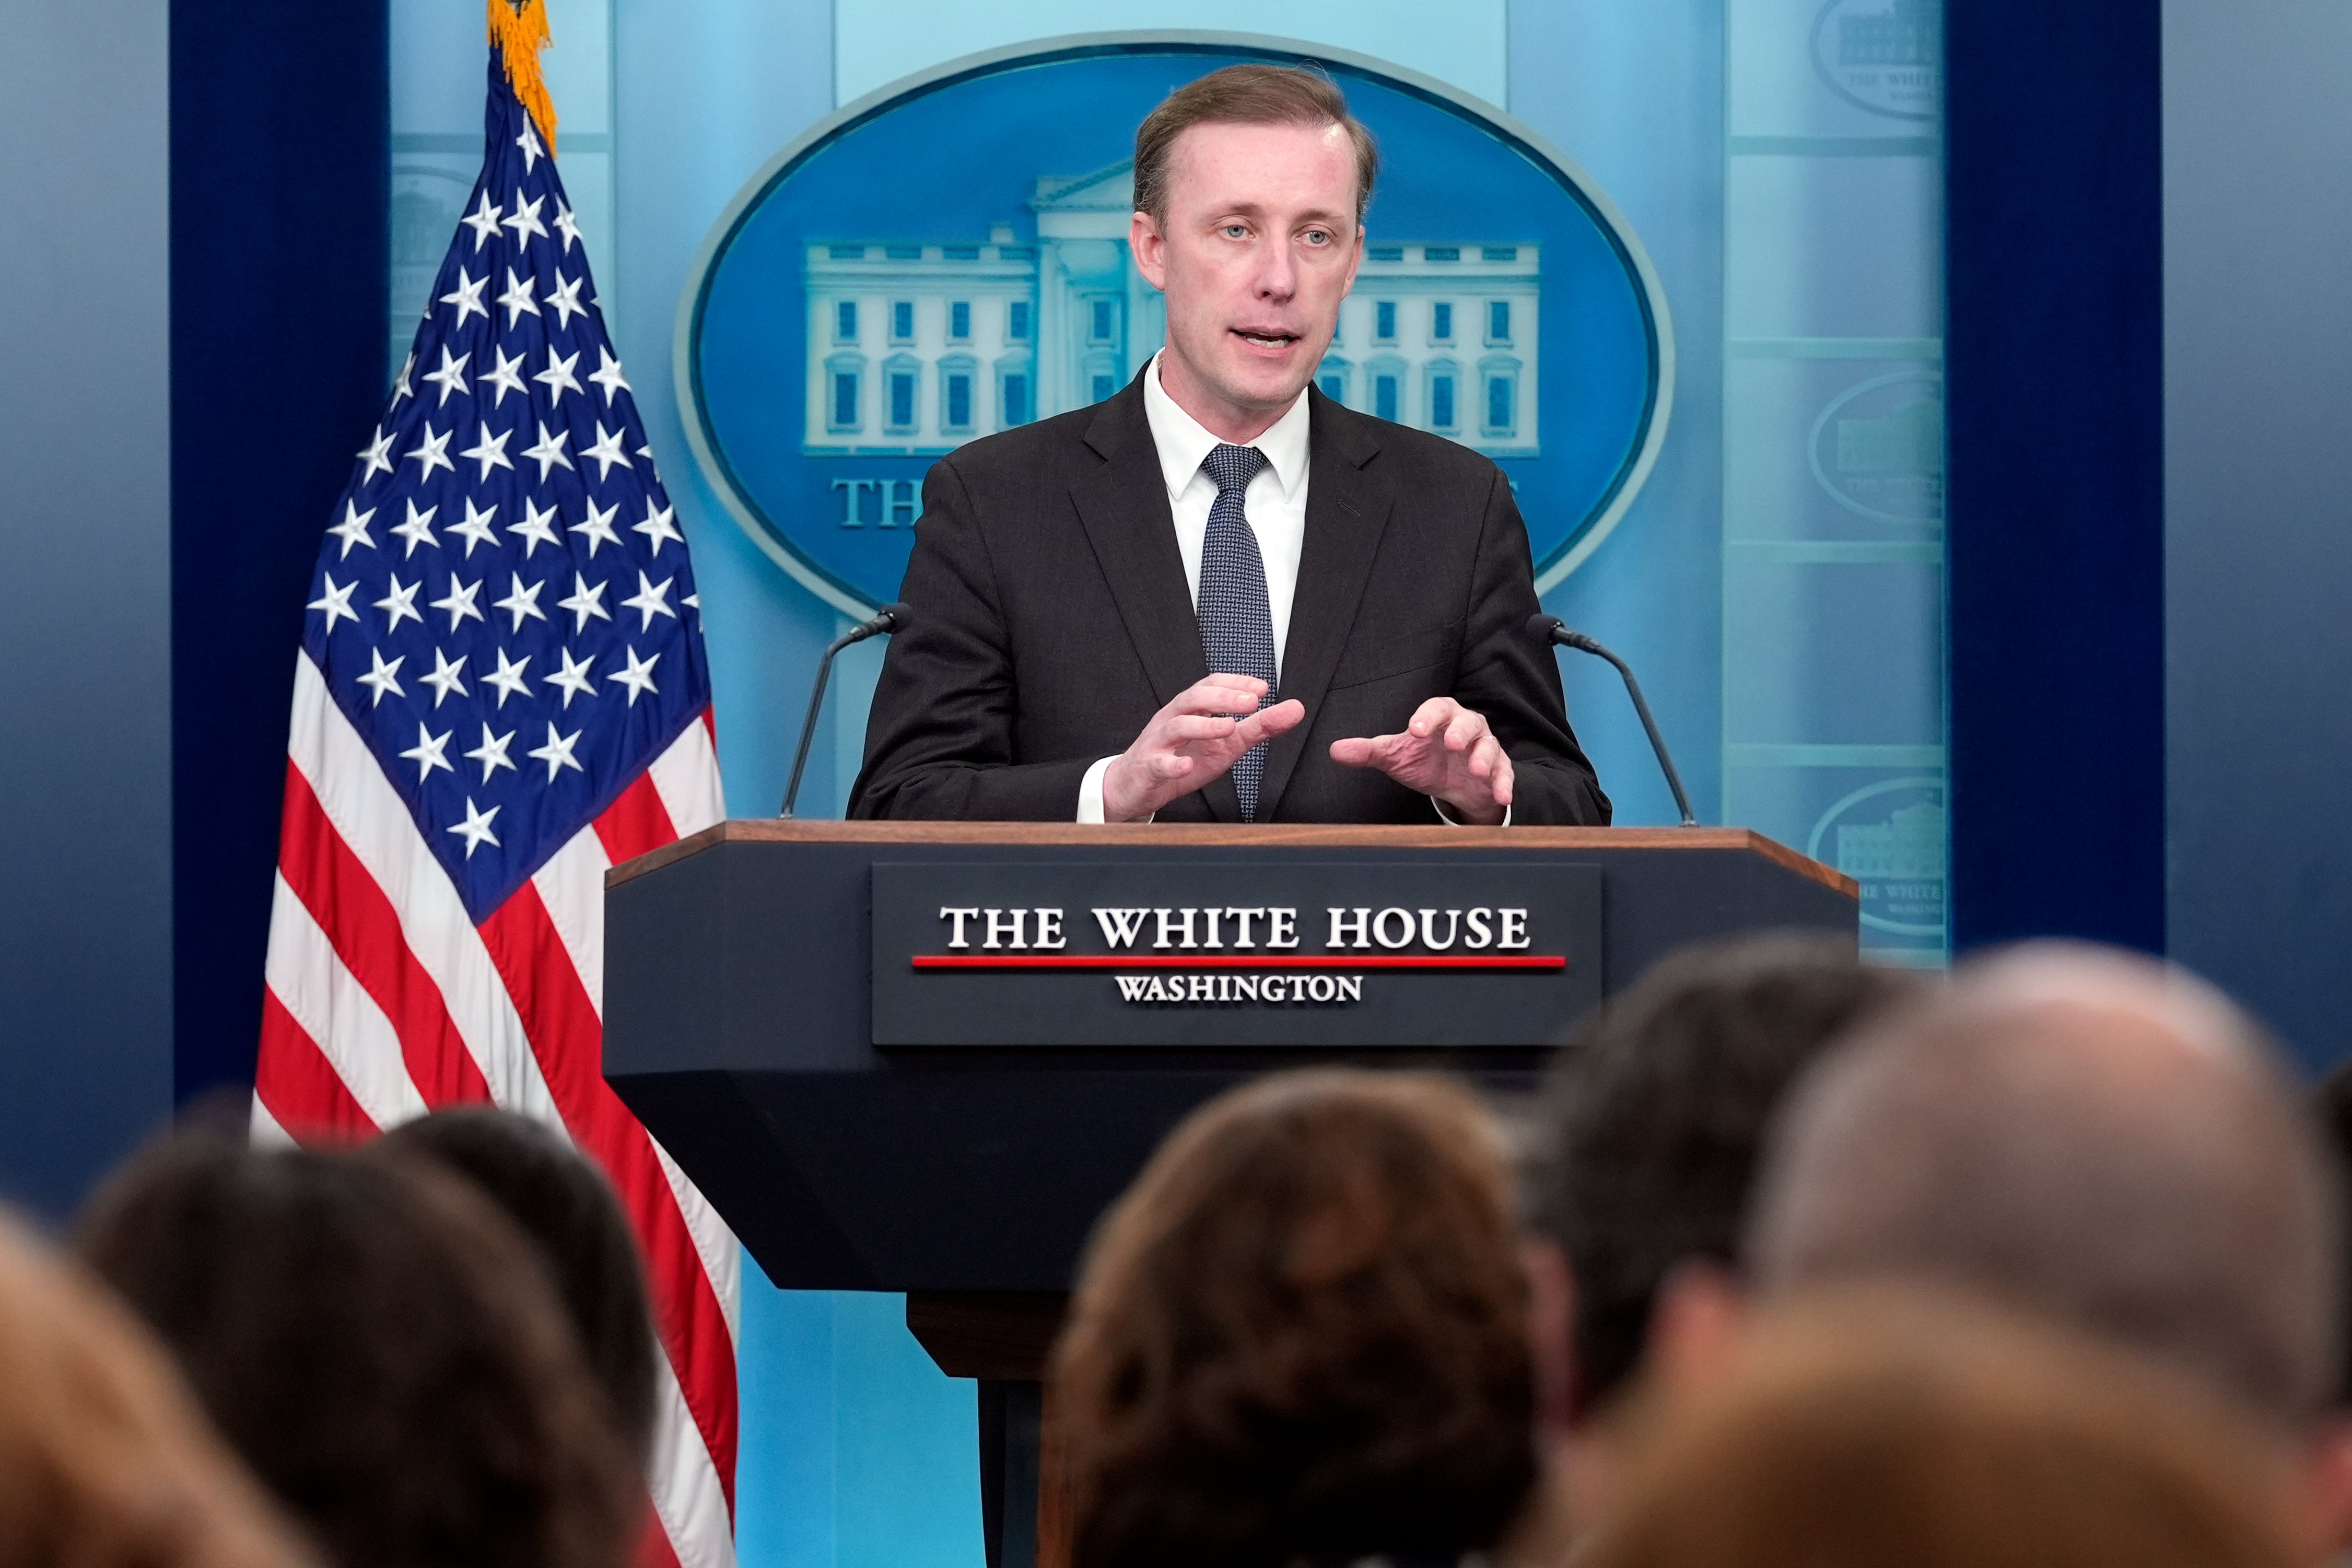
(563, 1202)
(1880, 1426)
(1299, 1338)
(105, 1460)
(2331, 1104)
(1650, 1131)
(380, 1345)
(2089, 1134)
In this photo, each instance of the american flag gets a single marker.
(501, 691)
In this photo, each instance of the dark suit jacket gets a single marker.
(1051, 621)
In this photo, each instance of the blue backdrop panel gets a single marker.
(2258, 222)
(1635, 95)
(85, 445)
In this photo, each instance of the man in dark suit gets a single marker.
(1219, 595)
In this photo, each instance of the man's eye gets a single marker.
(1318, 237)
(1236, 231)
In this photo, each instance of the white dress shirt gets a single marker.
(1274, 507)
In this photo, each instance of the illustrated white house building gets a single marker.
(914, 349)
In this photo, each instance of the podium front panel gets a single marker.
(766, 1018)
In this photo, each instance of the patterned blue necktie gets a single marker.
(1236, 620)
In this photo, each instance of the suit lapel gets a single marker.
(1346, 513)
(1123, 507)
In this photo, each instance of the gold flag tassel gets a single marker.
(519, 31)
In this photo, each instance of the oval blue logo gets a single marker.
(948, 257)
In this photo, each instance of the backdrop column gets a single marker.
(279, 118)
(2054, 358)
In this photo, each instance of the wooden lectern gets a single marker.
(924, 1057)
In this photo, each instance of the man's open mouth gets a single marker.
(1266, 340)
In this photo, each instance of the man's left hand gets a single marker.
(1447, 753)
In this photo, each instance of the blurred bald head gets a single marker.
(2091, 1134)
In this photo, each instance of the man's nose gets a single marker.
(1277, 274)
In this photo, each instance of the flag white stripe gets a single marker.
(334, 1009)
(571, 885)
(266, 1133)
(686, 776)
(684, 1486)
(714, 1241)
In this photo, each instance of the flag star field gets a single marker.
(503, 606)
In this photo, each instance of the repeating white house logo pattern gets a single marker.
(1890, 836)
(1884, 56)
(1877, 447)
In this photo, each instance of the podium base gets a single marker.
(1002, 1338)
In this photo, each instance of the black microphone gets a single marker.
(1551, 629)
(889, 618)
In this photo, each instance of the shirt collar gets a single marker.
(1184, 445)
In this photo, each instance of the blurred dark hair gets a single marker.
(105, 1460)
(2331, 1106)
(1892, 1426)
(1654, 1115)
(1300, 1335)
(563, 1203)
(376, 1340)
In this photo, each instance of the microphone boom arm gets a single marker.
(1550, 629)
(889, 619)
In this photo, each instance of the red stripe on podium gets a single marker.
(1237, 960)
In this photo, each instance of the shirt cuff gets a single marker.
(1090, 792)
(1433, 801)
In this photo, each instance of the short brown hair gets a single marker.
(1656, 1117)
(560, 1200)
(1864, 1425)
(381, 1346)
(1300, 1335)
(1247, 95)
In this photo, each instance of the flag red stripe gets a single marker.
(566, 1036)
(636, 824)
(300, 1086)
(366, 931)
(653, 1547)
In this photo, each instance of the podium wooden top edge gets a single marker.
(1261, 835)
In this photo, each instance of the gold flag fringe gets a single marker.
(518, 32)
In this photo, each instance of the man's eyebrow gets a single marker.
(1254, 210)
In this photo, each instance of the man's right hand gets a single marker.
(1191, 742)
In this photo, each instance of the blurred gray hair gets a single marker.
(2082, 1131)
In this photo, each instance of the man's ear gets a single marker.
(1148, 246)
(1551, 1332)
(1696, 1325)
